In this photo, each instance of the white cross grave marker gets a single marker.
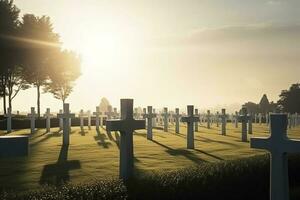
(149, 118)
(109, 114)
(48, 117)
(60, 121)
(208, 119)
(66, 116)
(196, 122)
(8, 115)
(250, 118)
(259, 118)
(217, 116)
(224, 120)
(32, 117)
(278, 145)
(97, 114)
(177, 117)
(81, 116)
(236, 119)
(166, 115)
(89, 115)
(190, 119)
(244, 119)
(126, 125)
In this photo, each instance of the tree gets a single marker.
(104, 104)
(9, 22)
(264, 104)
(251, 107)
(65, 70)
(289, 99)
(39, 44)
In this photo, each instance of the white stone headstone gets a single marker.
(190, 120)
(244, 120)
(208, 119)
(97, 115)
(32, 117)
(8, 116)
(224, 120)
(250, 129)
(278, 145)
(126, 125)
(89, 116)
(166, 116)
(236, 119)
(81, 117)
(217, 119)
(66, 116)
(177, 117)
(197, 122)
(48, 117)
(149, 118)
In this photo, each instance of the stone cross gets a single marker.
(165, 115)
(116, 114)
(208, 119)
(278, 145)
(109, 114)
(177, 117)
(217, 116)
(250, 118)
(32, 117)
(244, 119)
(267, 118)
(224, 119)
(97, 114)
(48, 117)
(101, 118)
(154, 120)
(190, 119)
(236, 119)
(8, 115)
(196, 122)
(89, 116)
(81, 116)
(66, 116)
(126, 125)
(149, 118)
(136, 113)
(60, 120)
(259, 118)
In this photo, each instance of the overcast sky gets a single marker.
(209, 53)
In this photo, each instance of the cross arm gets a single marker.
(292, 146)
(125, 125)
(260, 143)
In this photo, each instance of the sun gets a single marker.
(108, 49)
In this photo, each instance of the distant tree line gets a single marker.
(289, 102)
(31, 55)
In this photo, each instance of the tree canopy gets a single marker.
(290, 99)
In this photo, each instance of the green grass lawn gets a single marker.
(96, 156)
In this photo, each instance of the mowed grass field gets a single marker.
(92, 155)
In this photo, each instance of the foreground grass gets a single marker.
(94, 156)
(246, 179)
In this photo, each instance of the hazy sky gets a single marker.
(173, 52)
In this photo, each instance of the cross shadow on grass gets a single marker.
(208, 154)
(45, 138)
(58, 173)
(100, 138)
(83, 132)
(181, 152)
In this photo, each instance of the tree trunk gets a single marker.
(9, 102)
(38, 99)
(4, 103)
